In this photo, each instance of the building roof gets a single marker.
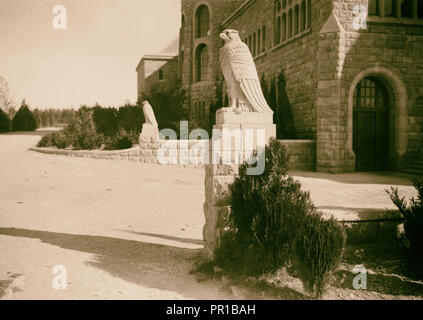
(162, 57)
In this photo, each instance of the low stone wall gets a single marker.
(132, 154)
(185, 152)
(302, 154)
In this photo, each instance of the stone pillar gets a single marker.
(332, 154)
(149, 143)
(219, 174)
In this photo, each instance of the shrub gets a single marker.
(318, 252)
(412, 215)
(4, 122)
(105, 120)
(55, 139)
(122, 140)
(266, 210)
(82, 132)
(273, 223)
(130, 118)
(24, 119)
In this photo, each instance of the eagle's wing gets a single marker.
(149, 116)
(245, 73)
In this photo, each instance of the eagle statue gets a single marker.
(243, 84)
(150, 118)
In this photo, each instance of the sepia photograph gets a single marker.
(234, 151)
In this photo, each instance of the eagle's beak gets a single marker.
(224, 36)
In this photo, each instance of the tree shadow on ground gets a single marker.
(151, 265)
(166, 237)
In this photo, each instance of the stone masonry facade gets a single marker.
(324, 59)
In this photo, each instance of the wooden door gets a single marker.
(371, 126)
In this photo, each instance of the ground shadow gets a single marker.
(151, 265)
(166, 237)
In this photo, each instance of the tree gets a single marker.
(24, 120)
(4, 121)
(7, 103)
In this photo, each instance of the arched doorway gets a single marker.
(371, 125)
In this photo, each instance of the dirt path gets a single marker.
(123, 230)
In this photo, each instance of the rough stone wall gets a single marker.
(394, 49)
(219, 10)
(295, 58)
(148, 74)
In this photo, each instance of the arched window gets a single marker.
(254, 44)
(389, 8)
(278, 31)
(407, 8)
(308, 13)
(258, 42)
(292, 17)
(182, 34)
(289, 34)
(296, 20)
(160, 74)
(202, 21)
(201, 62)
(370, 93)
(263, 42)
(302, 16)
(373, 7)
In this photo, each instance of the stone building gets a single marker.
(352, 69)
(156, 72)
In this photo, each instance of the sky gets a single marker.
(93, 60)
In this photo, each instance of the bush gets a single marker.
(273, 223)
(266, 211)
(318, 252)
(55, 139)
(4, 122)
(412, 215)
(122, 140)
(82, 132)
(130, 118)
(105, 120)
(24, 120)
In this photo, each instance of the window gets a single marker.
(202, 61)
(278, 31)
(202, 21)
(373, 7)
(254, 52)
(371, 93)
(389, 8)
(289, 34)
(182, 36)
(296, 19)
(396, 8)
(303, 17)
(407, 8)
(160, 74)
(291, 18)
(258, 42)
